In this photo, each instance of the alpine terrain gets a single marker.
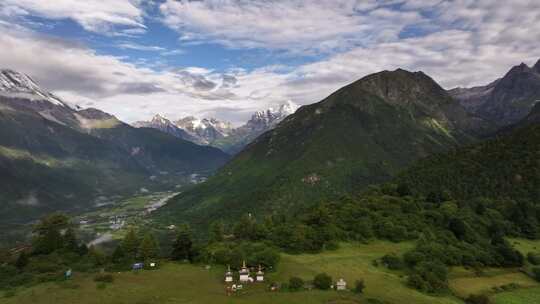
(507, 100)
(364, 133)
(213, 132)
(56, 157)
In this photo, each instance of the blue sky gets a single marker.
(228, 58)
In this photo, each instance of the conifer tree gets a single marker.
(149, 248)
(130, 244)
(183, 245)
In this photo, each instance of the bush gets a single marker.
(101, 285)
(359, 286)
(296, 283)
(392, 262)
(104, 278)
(536, 273)
(477, 299)
(322, 281)
(533, 258)
(9, 293)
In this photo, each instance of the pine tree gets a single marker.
(149, 248)
(183, 245)
(130, 244)
(70, 240)
(118, 254)
(22, 260)
(216, 232)
(47, 233)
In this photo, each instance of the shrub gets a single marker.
(101, 286)
(296, 283)
(359, 286)
(104, 278)
(9, 293)
(392, 261)
(477, 299)
(536, 273)
(533, 258)
(322, 281)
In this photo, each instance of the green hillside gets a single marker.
(364, 133)
(48, 165)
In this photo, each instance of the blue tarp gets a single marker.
(137, 266)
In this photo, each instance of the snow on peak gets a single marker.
(19, 85)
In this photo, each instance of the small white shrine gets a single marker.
(244, 273)
(228, 275)
(260, 275)
(341, 285)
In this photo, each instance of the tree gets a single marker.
(183, 245)
(118, 254)
(48, 233)
(149, 247)
(296, 283)
(536, 273)
(70, 240)
(322, 281)
(130, 244)
(359, 286)
(478, 299)
(22, 260)
(216, 232)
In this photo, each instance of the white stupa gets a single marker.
(244, 273)
(228, 275)
(260, 275)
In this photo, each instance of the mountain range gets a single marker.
(504, 101)
(364, 133)
(216, 133)
(55, 157)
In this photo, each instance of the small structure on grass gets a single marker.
(228, 275)
(244, 273)
(341, 285)
(260, 275)
(137, 266)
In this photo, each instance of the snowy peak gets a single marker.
(221, 134)
(272, 116)
(18, 85)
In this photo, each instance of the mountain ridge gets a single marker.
(216, 133)
(504, 101)
(354, 137)
(64, 159)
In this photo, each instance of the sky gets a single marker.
(229, 58)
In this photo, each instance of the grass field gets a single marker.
(467, 284)
(525, 245)
(522, 296)
(181, 283)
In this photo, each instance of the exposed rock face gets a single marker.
(220, 134)
(505, 101)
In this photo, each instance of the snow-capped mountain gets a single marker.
(207, 130)
(17, 85)
(267, 119)
(213, 132)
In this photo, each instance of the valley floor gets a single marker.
(183, 283)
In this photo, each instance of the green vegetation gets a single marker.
(48, 165)
(525, 295)
(357, 136)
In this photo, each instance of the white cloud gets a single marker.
(93, 15)
(294, 25)
(140, 47)
(458, 43)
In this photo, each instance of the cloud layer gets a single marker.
(458, 43)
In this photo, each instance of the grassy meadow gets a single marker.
(185, 283)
